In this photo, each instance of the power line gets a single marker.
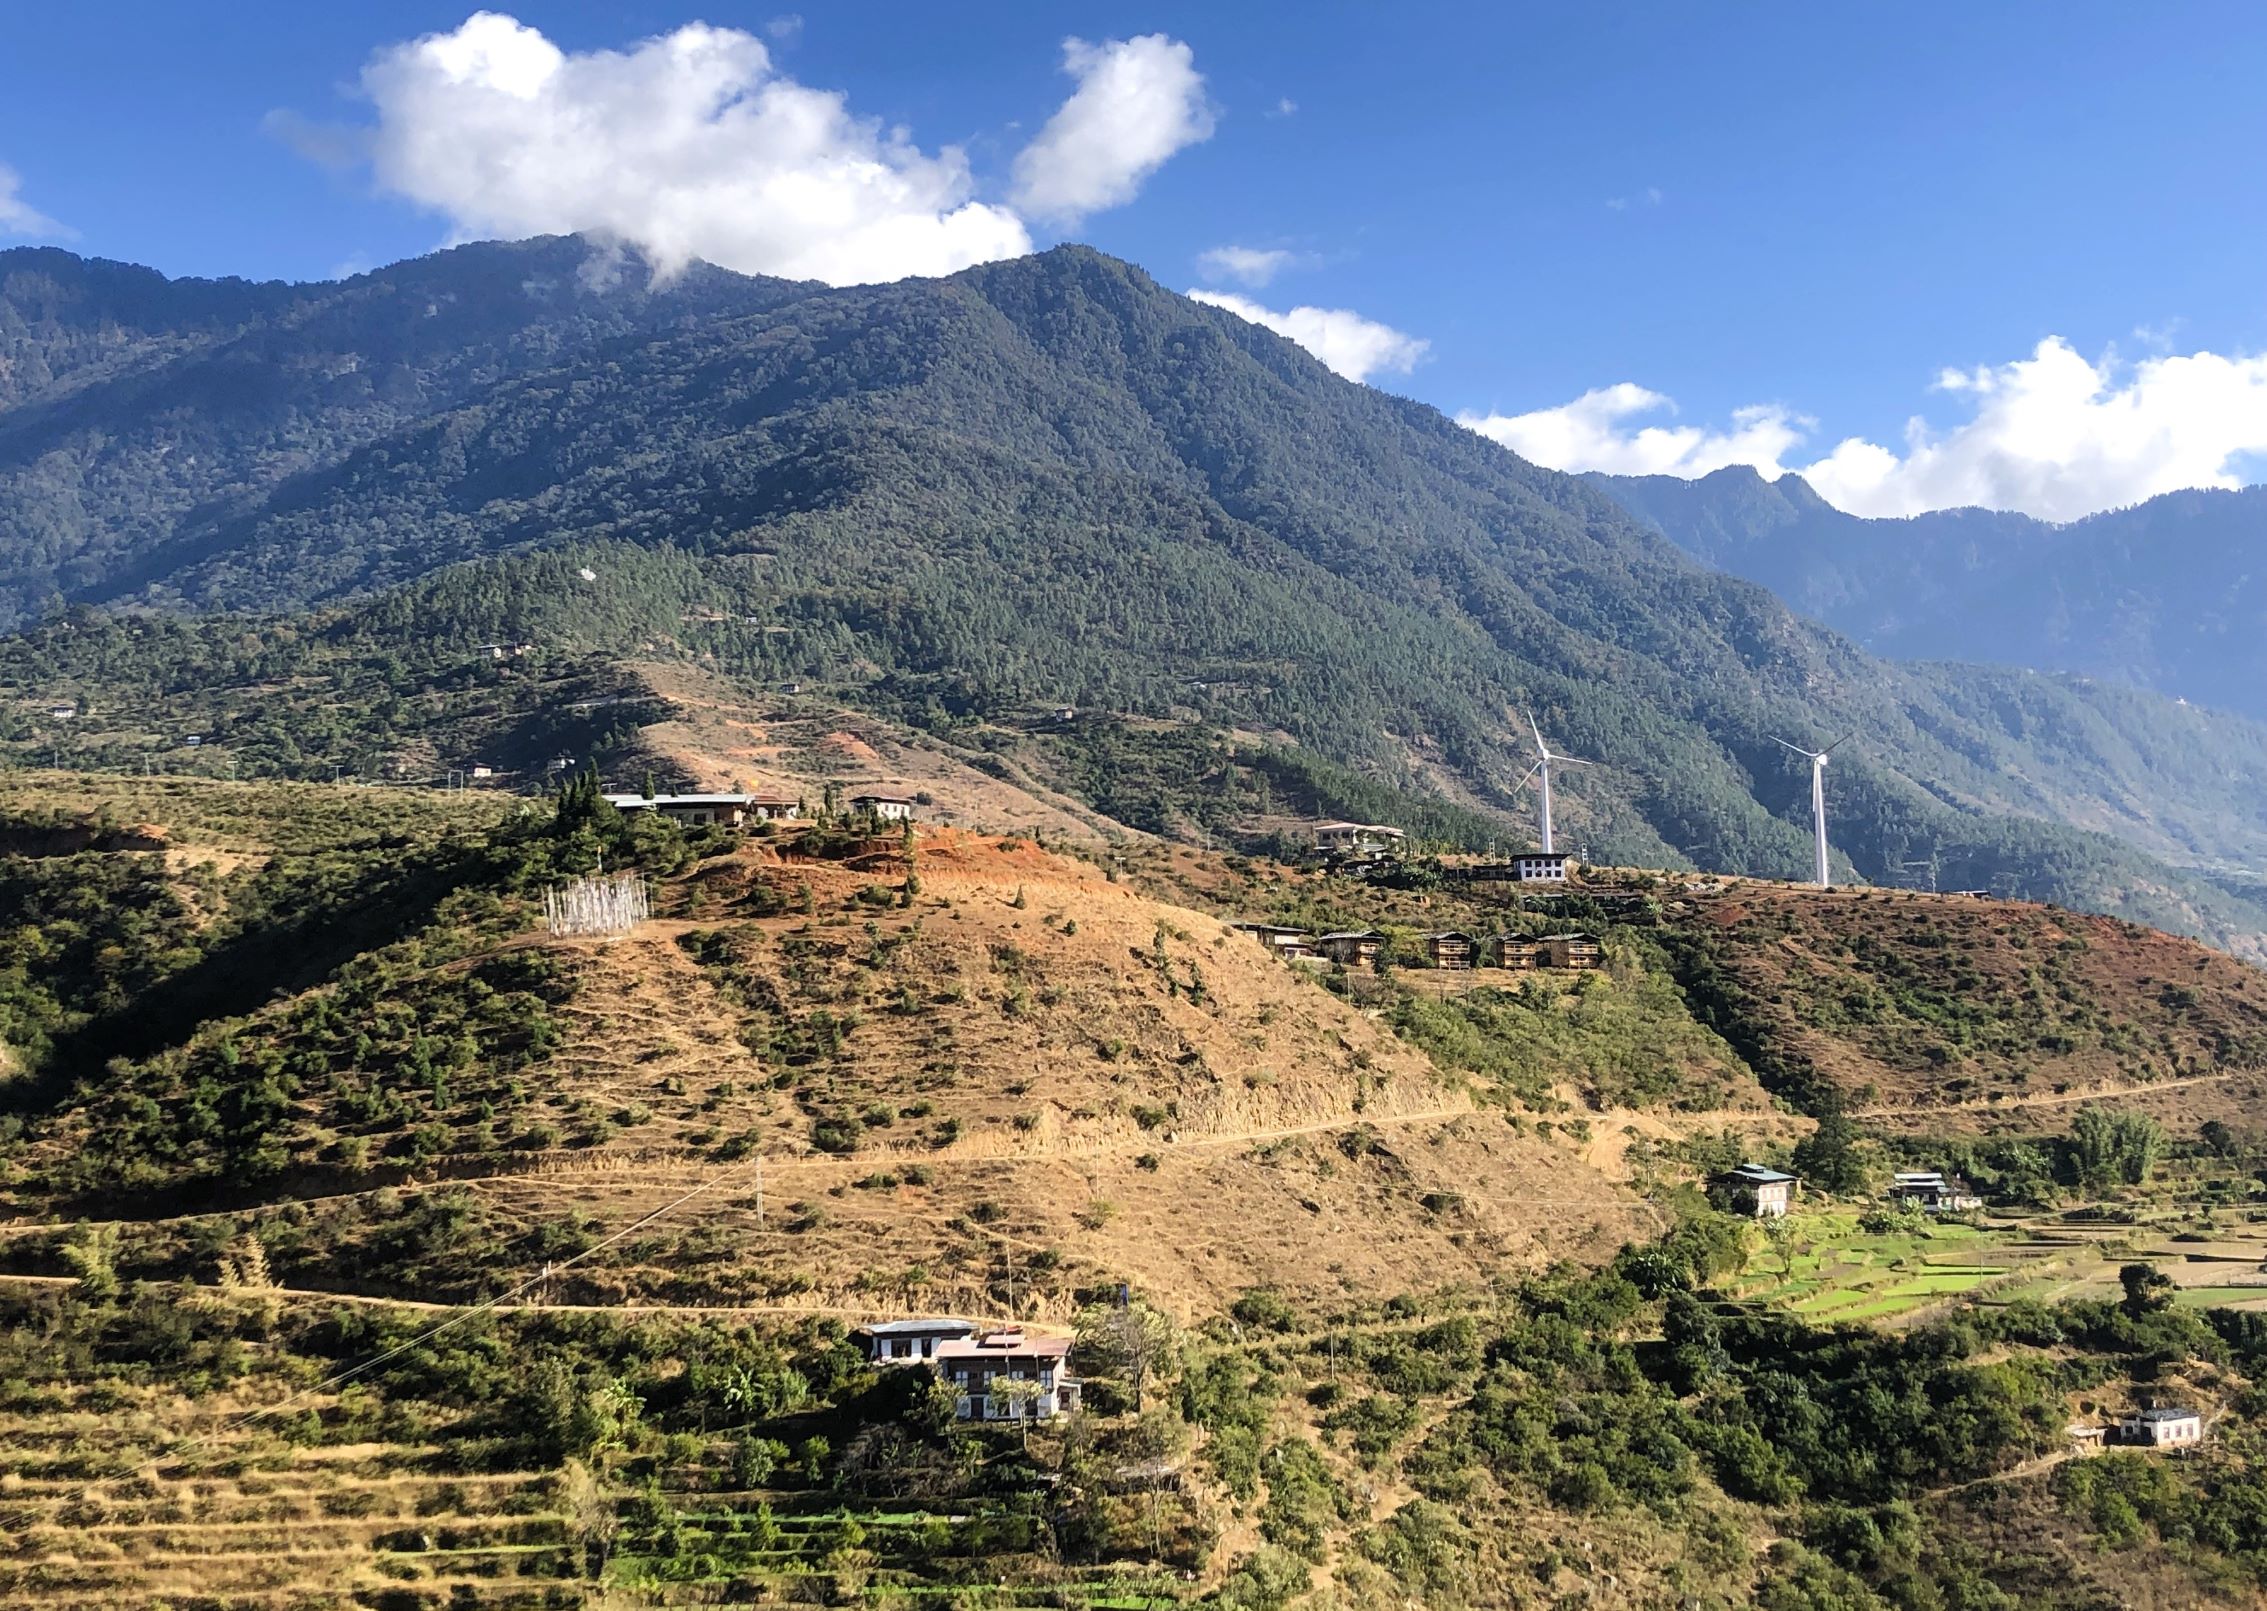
(338, 1378)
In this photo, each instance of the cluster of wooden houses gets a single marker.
(1442, 948)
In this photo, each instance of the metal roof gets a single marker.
(1757, 1174)
(633, 802)
(919, 1328)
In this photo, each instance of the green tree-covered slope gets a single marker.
(1037, 481)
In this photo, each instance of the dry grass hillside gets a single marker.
(1934, 1012)
(1028, 1080)
(1011, 1084)
(717, 733)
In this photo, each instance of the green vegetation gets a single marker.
(1623, 1039)
(1034, 483)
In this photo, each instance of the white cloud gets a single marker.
(686, 146)
(1352, 345)
(2051, 435)
(1592, 433)
(1650, 196)
(1248, 265)
(20, 218)
(1286, 107)
(1138, 101)
(785, 28)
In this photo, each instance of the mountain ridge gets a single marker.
(2161, 595)
(1048, 480)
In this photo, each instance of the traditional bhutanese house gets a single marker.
(1539, 867)
(888, 807)
(1573, 951)
(910, 1342)
(1293, 945)
(1008, 1375)
(772, 807)
(2163, 1428)
(1356, 839)
(1449, 948)
(1352, 948)
(693, 810)
(1756, 1190)
(1521, 953)
(1934, 1191)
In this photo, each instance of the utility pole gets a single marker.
(759, 1191)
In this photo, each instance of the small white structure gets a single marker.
(1540, 867)
(479, 771)
(1009, 1375)
(1754, 1189)
(910, 1342)
(614, 905)
(63, 713)
(887, 807)
(2166, 1427)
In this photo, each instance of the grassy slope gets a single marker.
(1052, 1075)
(1932, 1012)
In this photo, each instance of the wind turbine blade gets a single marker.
(1530, 777)
(1568, 760)
(1838, 743)
(1540, 746)
(1791, 749)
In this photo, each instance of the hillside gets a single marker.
(2163, 596)
(1938, 1014)
(954, 503)
(367, 1247)
(1023, 1058)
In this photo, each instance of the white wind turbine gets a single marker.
(1542, 769)
(1817, 759)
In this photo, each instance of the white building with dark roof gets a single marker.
(2164, 1427)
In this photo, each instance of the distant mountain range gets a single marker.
(1038, 481)
(2169, 595)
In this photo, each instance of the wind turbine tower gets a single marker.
(1817, 759)
(1542, 770)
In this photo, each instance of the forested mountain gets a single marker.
(1036, 481)
(2168, 595)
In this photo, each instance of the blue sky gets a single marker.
(1792, 220)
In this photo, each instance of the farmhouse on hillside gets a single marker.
(1576, 951)
(886, 807)
(2168, 1427)
(910, 1342)
(1292, 945)
(1755, 1190)
(1934, 1192)
(1352, 947)
(1539, 867)
(1008, 1375)
(707, 810)
(1449, 948)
